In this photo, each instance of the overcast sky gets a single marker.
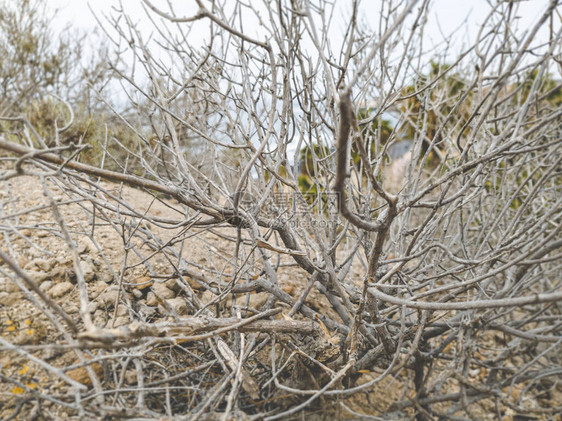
(446, 15)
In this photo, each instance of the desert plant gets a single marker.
(230, 296)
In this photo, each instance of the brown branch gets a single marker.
(347, 118)
(191, 329)
(127, 179)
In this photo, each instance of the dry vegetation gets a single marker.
(281, 223)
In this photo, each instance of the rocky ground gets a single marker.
(31, 234)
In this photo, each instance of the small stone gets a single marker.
(60, 289)
(151, 299)
(92, 306)
(84, 246)
(11, 287)
(173, 285)
(121, 321)
(46, 285)
(100, 318)
(88, 270)
(4, 298)
(143, 282)
(45, 264)
(178, 305)
(163, 291)
(81, 375)
(23, 261)
(38, 276)
(109, 296)
(26, 232)
(195, 285)
(105, 276)
(71, 308)
(122, 310)
(96, 288)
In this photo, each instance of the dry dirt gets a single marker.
(34, 239)
(31, 235)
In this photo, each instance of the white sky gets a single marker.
(455, 20)
(450, 14)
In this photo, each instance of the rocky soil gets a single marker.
(31, 234)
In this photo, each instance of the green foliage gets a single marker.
(33, 61)
(310, 177)
(428, 102)
(308, 155)
(315, 194)
(376, 128)
(549, 92)
(377, 131)
(305, 183)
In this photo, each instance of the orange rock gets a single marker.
(143, 282)
(289, 288)
(193, 283)
(80, 374)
